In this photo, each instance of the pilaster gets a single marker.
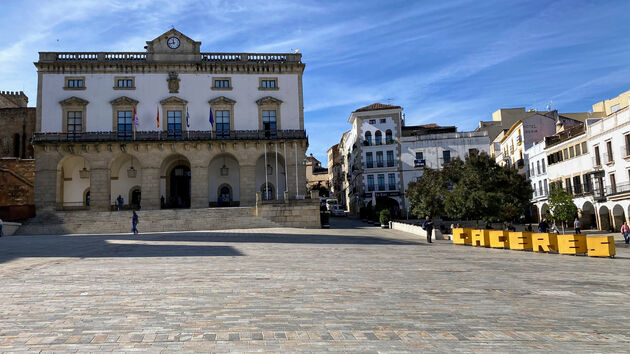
(150, 188)
(99, 186)
(247, 185)
(199, 187)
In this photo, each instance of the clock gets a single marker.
(173, 42)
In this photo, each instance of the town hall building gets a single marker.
(170, 127)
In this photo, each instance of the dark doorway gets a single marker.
(224, 196)
(135, 199)
(179, 187)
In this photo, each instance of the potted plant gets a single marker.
(384, 219)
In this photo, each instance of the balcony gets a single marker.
(419, 163)
(520, 163)
(624, 151)
(619, 188)
(156, 136)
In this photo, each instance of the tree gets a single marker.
(561, 205)
(426, 196)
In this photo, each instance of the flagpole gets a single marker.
(277, 185)
(297, 192)
(265, 171)
(286, 173)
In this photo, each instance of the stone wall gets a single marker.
(290, 213)
(416, 230)
(16, 130)
(17, 178)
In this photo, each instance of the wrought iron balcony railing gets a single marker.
(149, 136)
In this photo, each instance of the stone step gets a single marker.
(85, 222)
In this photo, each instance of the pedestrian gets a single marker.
(134, 223)
(543, 226)
(625, 231)
(554, 228)
(120, 201)
(428, 227)
(577, 226)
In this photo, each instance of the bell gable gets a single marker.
(173, 46)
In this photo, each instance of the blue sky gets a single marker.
(445, 62)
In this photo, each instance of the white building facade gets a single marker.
(169, 127)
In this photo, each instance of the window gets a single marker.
(571, 152)
(615, 108)
(222, 123)
(609, 151)
(627, 136)
(174, 124)
(372, 121)
(388, 136)
(540, 188)
(383, 120)
(392, 181)
(473, 151)
(613, 184)
(268, 83)
(446, 155)
(419, 155)
(124, 125)
(567, 184)
(124, 83)
(543, 165)
(369, 161)
(538, 167)
(378, 138)
(370, 182)
(75, 83)
(565, 154)
(532, 169)
(221, 83)
(546, 187)
(598, 160)
(586, 181)
(381, 182)
(584, 148)
(390, 159)
(269, 123)
(577, 185)
(75, 123)
(379, 159)
(578, 151)
(368, 138)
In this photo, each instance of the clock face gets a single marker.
(173, 42)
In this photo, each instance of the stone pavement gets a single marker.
(352, 289)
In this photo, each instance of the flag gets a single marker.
(211, 118)
(158, 116)
(136, 121)
(187, 118)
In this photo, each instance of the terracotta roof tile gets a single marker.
(377, 107)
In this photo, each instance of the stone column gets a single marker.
(47, 184)
(150, 188)
(248, 185)
(99, 186)
(199, 187)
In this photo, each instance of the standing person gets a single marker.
(428, 227)
(543, 226)
(577, 226)
(625, 231)
(120, 201)
(134, 223)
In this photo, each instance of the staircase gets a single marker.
(97, 222)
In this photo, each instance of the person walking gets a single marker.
(428, 227)
(120, 201)
(134, 223)
(554, 228)
(625, 231)
(577, 226)
(543, 226)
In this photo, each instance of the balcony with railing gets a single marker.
(418, 163)
(617, 189)
(157, 136)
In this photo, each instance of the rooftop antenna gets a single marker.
(548, 107)
(295, 51)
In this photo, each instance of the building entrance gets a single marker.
(179, 196)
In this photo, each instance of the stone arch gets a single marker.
(224, 169)
(604, 218)
(125, 172)
(274, 173)
(368, 138)
(175, 181)
(587, 216)
(73, 180)
(378, 138)
(222, 200)
(618, 217)
(544, 210)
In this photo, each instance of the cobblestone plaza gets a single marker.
(351, 288)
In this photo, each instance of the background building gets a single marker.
(317, 177)
(335, 174)
(230, 125)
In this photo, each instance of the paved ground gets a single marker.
(355, 289)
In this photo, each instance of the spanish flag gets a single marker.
(158, 116)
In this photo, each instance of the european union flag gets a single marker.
(211, 118)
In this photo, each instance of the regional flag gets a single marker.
(158, 116)
(211, 118)
(187, 118)
(136, 121)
